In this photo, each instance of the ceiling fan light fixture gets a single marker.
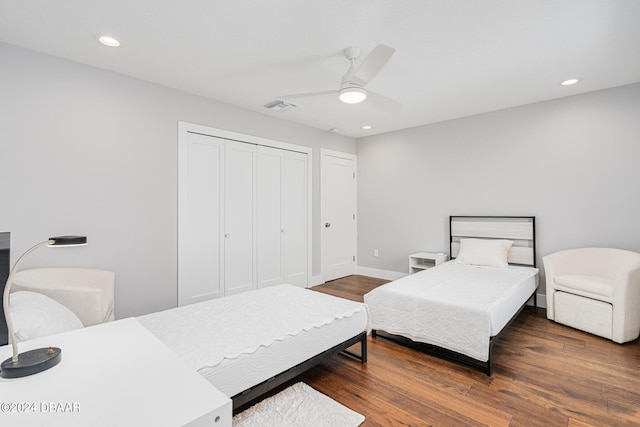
(352, 95)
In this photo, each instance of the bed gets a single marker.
(245, 344)
(250, 343)
(458, 309)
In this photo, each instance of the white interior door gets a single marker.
(200, 224)
(239, 214)
(338, 194)
(270, 263)
(295, 219)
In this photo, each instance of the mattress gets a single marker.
(454, 306)
(239, 341)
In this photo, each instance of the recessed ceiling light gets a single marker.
(366, 127)
(334, 130)
(570, 82)
(108, 41)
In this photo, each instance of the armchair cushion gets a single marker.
(594, 285)
(35, 315)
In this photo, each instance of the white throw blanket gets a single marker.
(206, 333)
(449, 306)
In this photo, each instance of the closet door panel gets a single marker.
(295, 218)
(201, 189)
(239, 211)
(269, 216)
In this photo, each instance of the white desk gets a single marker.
(113, 374)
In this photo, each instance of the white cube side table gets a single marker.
(423, 260)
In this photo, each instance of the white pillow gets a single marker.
(484, 252)
(35, 315)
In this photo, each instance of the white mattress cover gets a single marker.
(232, 376)
(454, 306)
(224, 332)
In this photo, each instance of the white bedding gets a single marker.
(454, 306)
(239, 341)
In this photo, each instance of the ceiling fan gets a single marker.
(352, 87)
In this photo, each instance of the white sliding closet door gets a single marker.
(282, 220)
(244, 213)
(239, 209)
(270, 225)
(200, 224)
(295, 218)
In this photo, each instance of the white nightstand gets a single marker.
(113, 374)
(423, 260)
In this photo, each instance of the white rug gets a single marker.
(298, 406)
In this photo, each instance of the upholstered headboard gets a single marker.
(520, 229)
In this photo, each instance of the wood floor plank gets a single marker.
(545, 374)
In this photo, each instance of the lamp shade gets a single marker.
(41, 359)
(68, 241)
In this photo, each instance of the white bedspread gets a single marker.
(449, 305)
(206, 333)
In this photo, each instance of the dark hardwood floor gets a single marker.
(545, 374)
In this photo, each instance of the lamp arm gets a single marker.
(5, 298)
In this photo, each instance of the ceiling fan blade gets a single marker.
(383, 102)
(308, 94)
(372, 64)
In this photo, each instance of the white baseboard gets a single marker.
(379, 274)
(541, 300)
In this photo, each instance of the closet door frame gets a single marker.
(185, 128)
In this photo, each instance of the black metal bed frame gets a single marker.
(243, 398)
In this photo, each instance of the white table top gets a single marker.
(429, 255)
(113, 374)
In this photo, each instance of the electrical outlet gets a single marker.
(375, 252)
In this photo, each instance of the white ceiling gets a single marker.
(453, 57)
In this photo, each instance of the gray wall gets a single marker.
(573, 162)
(89, 151)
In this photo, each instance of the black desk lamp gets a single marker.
(33, 361)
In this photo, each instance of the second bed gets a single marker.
(456, 310)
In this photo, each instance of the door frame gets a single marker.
(324, 153)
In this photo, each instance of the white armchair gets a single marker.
(86, 292)
(596, 290)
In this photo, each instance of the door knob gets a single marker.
(227, 235)
(327, 224)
